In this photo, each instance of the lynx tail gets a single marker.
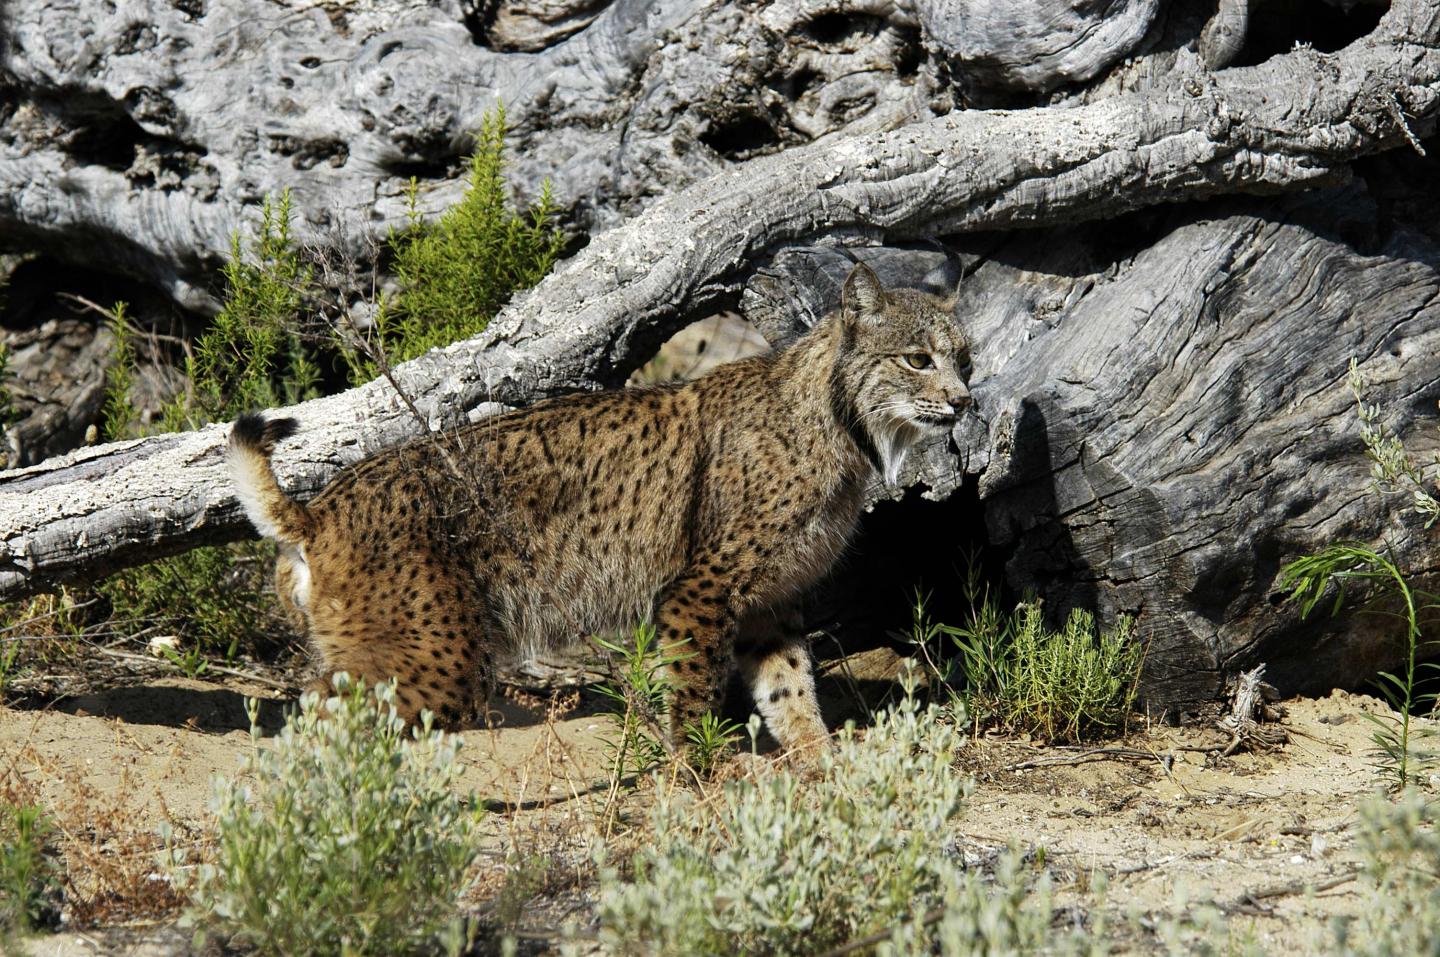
(273, 513)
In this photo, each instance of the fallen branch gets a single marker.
(1249, 902)
(209, 665)
(1166, 761)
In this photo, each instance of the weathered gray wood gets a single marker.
(529, 26)
(1172, 426)
(55, 379)
(1166, 420)
(1250, 704)
(1269, 127)
(1036, 45)
(153, 129)
(1224, 33)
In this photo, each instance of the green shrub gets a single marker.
(977, 917)
(118, 416)
(637, 692)
(213, 597)
(348, 838)
(9, 655)
(7, 407)
(29, 878)
(785, 866)
(455, 274)
(1013, 670)
(253, 355)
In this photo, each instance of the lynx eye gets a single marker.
(919, 360)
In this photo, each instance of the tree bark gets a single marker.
(1126, 449)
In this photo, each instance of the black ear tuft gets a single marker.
(862, 295)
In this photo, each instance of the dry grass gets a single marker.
(108, 861)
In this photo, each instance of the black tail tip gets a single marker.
(254, 430)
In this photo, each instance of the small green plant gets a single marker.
(780, 866)
(638, 691)
(1014, 671)
(118, 415)
(1309, 579)
(1336, 568)
(1007, 914)
(1391, 466)
(29, 878)
(527, 876)
(9, 652)
(455, 274)
(7, 405)
(711, 739)
(191, 662)
(347, 839)
(253, 356)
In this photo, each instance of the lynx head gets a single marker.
(903, 365)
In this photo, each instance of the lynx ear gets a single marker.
(862, 295)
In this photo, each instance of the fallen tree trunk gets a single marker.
(167, 122)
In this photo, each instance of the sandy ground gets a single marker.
(1248, 833)
(1168, 826)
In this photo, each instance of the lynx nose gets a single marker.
(960, 402)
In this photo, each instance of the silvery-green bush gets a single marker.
(1007, 912)
(782, 865)
(345, 835)
(1399, 914)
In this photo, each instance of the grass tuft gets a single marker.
(1013, 671)
(1399, 914)
(1338, 568)
(29, 876)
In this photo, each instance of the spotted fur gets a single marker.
(705, 508)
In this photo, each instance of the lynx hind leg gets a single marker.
(774, 660)
(421, 629)
(693, 613)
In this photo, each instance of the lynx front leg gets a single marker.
(695, 614)
(774, 660)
